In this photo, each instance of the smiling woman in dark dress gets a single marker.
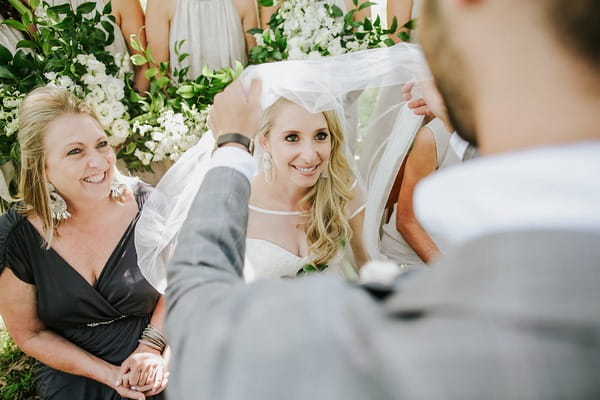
(71, 293)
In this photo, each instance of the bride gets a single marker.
(305, 208)
(305, 204)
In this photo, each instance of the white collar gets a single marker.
(551, 187)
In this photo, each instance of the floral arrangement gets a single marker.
(173, 114)
(302, 29)
(67, 50)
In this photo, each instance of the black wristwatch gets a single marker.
(235, 138)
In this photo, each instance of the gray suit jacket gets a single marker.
(510, 316)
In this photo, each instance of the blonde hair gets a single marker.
(41, 107)
(327, 227)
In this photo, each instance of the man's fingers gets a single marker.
(255, 90)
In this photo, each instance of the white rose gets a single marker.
(296, 54)
(105, 115)
(120, 129)
(117, 109)
(64, 82)
(95, 67)
(96, 96)
(157, 136)
(114, 88)
(51, 76)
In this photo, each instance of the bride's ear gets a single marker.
(263, 142)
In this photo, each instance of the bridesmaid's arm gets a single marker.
(159, 14)
(402, 10)
(130, 18)
(356, 242)
(248, 13)
(18, 309)
(421, 162)
(265, 15)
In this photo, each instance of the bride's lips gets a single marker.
(307, 171)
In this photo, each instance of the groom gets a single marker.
(513, 311)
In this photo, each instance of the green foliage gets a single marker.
(171, 91)
(16, 371)
(311, 268)
(347, 34)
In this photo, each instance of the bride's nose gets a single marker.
(309, 152)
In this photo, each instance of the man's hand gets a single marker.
(234, 111)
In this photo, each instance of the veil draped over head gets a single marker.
(339, 83)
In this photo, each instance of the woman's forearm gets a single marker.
(61, 354)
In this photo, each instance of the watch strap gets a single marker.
(235, 138)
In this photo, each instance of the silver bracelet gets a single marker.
(153, 338)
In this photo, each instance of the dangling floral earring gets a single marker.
(267, 166)
(325, 173)
(117, 189)
(58, 205)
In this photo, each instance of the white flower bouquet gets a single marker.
(302, 29)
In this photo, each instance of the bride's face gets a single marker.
(299, 143)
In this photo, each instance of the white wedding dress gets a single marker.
(266, 259)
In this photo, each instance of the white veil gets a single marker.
(329, 83)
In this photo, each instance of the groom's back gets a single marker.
(513, 315)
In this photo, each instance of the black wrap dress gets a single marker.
(106, 319)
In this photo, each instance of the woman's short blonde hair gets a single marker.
(42, 106)
(328, 226)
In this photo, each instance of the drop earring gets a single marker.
(117, 189)
(325, 173)
(58, 205)
(267, 166)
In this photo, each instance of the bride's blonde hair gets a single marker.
(327, 225)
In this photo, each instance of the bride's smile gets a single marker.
(299, 143)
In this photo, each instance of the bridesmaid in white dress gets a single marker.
(129, 20)
(304, 205)
(214, 32)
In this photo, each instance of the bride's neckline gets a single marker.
(273, 212)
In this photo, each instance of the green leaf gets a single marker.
(138, 59)
(365, 5)
(86, 8)
(336, 12)
(26, 44)
(389, 42)
(394, 25)
(15, 24)
(254, 31)
(5, 55)
(404, 36)
(107, 8)
(61, 9)
(367, 25)
(162, 81)
(411, 24)
(5, 73)
(130, 148)
(266, 3)
(134, 43)
(34, 4)
(150, 72)
(355, 2)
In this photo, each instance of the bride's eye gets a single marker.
(291, 138)
(321, 136)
